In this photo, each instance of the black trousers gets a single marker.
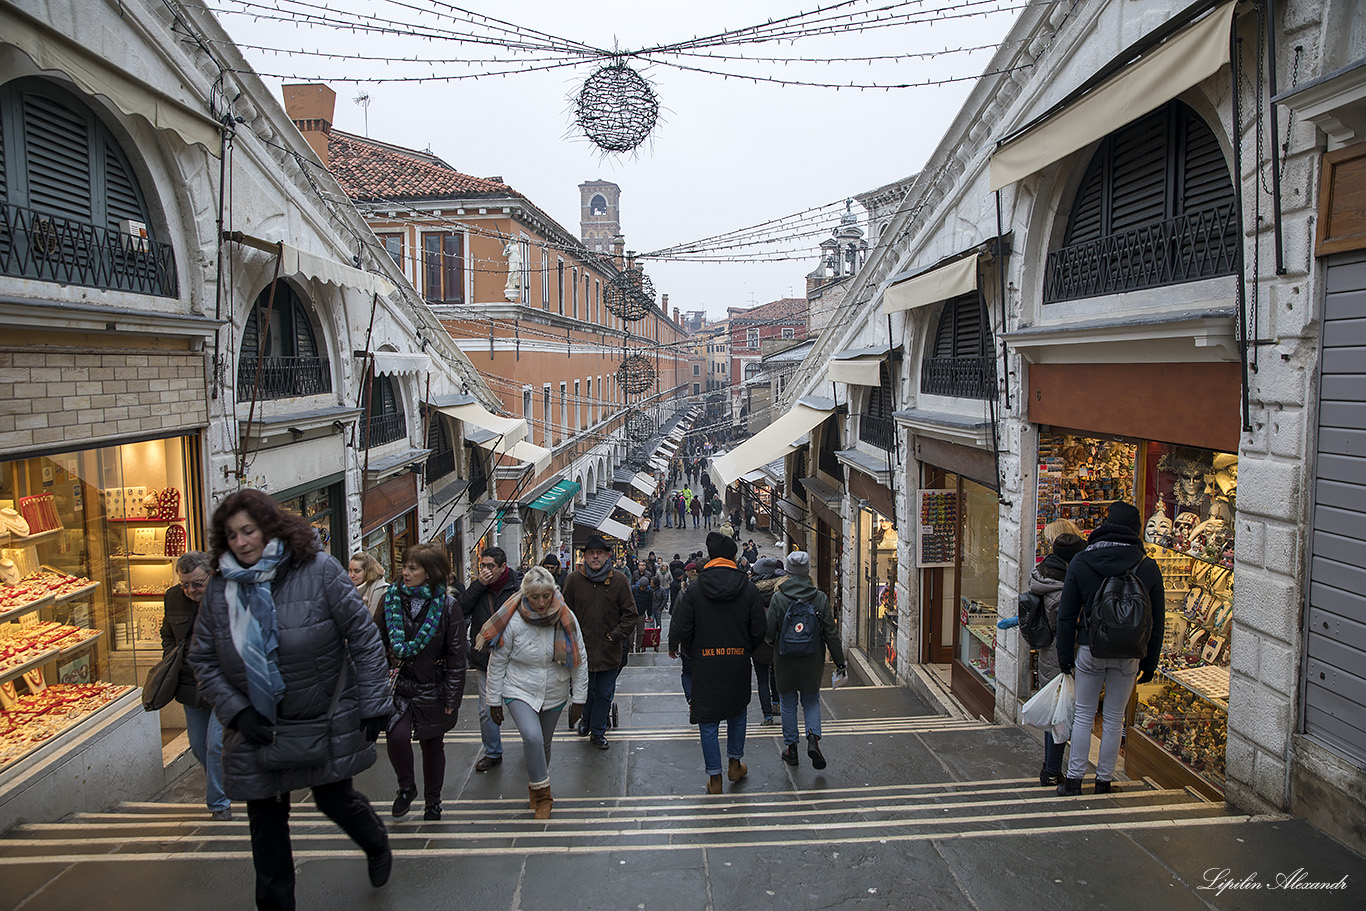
(268, 820)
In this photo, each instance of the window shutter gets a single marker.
(943, 336)
(305, 345)
(1087, 221)
(121, 195)
(1205, 181)
(967, 335)
(57, 148)
(4, 171)
(251, 338)
(1140, 174)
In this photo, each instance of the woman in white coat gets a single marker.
(537, 665)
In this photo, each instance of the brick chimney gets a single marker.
(311, 107)
(619, 251)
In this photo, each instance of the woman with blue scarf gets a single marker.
(424, 633)
(283, 636)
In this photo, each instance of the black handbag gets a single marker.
(162, 681)
(300, 744)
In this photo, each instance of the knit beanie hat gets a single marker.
(1068, 546)
(721, 547)
(798, 563)
(1125, 514)
(767, 567)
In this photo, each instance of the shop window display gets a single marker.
(1079, 478)
(87, 545)
(978, 584)
(877, 544)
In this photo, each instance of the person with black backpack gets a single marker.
(1111, 616)
(801, 627)
(1040, 631)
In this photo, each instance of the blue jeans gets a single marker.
(206, 743)
(489, 732)
(1116, 676)
(811, 707)
(602, 686)
(669, 519)
(711, 746)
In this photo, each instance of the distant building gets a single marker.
(600, 220)
(781, 319)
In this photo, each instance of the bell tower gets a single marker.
(600, 218)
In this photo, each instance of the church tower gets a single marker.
(600, 220)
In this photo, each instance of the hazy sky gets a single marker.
(727, 154)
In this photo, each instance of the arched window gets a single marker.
(960, 363)
(71, 207)
(386, 423)
(1155, 207)
(598, 205)
(291, 360)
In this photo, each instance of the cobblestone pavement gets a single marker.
(914, 811)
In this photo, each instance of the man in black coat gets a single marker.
(718, 622)
(1114, 548)
(495, 584)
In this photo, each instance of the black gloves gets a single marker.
(372, 727)
(575, 713)
(496, 714)
(1067, 668)
(253, 727)
(1145, 676)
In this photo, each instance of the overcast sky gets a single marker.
(727, 154)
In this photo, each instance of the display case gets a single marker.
(977, 638)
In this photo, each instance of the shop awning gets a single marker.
(773, 442)
(538, 457)
(556, 497)
(468, 410)
(857, 366)
(294, 261)
(792, 509)
(52, 51)
(615, 529)
(929, 286)
(391, 363)
(757, 476)
(658, 464)
(1184, 60)
(631, 506)
(645, 484)
(597, 514)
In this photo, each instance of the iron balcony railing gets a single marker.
(961, 377)
(283, 378)
(876, 430)
(54, 249)
(439, 464)
(383, 428)
(1187, 248)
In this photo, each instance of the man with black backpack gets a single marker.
(801, 627)
(1110, 623)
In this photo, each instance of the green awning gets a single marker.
(556, 497)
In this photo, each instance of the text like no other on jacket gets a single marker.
(719, 652)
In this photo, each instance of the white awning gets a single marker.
(773, 442)
(52, 51)
(294, 261)
(669, 447)
(615, 529)
(1183, 61)
(645, 484)
(391, 363)
(658, 464)
(538, 457)
(757, 476)
(508, 430)
(949, 280)
(858, 367)
(631, 506)
(677, 433)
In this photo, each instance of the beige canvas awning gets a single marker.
(932, 286)
(294, 261)
(52, 51)
(615, 529)
(857, 366)
(391, 363)
(1183, 61)
(507, 430)
(631, 506)
(773, 442)
(644, 483)
(538, 457)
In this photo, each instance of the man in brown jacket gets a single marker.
(601, 600)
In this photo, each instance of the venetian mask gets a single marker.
(1159, 526)
(1190, 469)
(1185, 524)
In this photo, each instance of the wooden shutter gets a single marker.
(251, 338)
(452, 268)
(967, 331)
(431, 266)
(1139, 188)
(1205, 180)
(57, 150)
(943, 336)
(305, 343)
(122, 202)
(4, 169)
(1087, 221)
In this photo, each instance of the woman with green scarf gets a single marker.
(424, 635)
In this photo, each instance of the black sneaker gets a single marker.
(1069, 787)
(404, 800)
(379, 867)
(790, 754)
(813, 749)
(599, 742)
(432, 812)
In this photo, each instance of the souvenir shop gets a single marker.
(389, 521)
(1182, 475)
(323, 504)
(875, 543)
(88, 542)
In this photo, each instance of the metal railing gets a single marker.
(1187, 248)
(283, 377)
(877, 430)
(383, 428)
(50, 248)
(961, 377)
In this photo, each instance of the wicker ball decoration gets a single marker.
(629, 294)
(617, 108)
(636, 375)
(639, 427)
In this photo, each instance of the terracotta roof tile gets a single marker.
(372, 171)
(794, 307)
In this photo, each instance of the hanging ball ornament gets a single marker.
(616, 108)
(639, 426)
(630, 294)
(636, 375)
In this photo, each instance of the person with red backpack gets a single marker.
(1110, 623)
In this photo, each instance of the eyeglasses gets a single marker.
(488, 565)
(194, 586)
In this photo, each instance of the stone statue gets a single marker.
(513, 251)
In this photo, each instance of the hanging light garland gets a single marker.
(639, 427)
(630, 294)
(617, 108)
(636, 375)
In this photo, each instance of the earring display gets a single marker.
(938, 527)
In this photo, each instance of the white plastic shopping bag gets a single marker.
(1051, 708)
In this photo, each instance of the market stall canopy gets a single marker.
(467, 409)
(391, 363)
(858, 366)
(644, 483)
(613, 528)
(1181, 62)
(631, 506)
(597, 514)
(51, 51)
(773, 442)
(524, 452)
(929, 286)
(301, 263)
(556, 497)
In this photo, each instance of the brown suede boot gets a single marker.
(737, 770)
(714, 784)
(541, 801)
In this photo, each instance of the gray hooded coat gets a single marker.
(322, 622)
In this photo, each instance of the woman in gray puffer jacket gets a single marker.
(276, 629)
(1045, 580)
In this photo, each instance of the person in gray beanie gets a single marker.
(801, 627)
(767, 573)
